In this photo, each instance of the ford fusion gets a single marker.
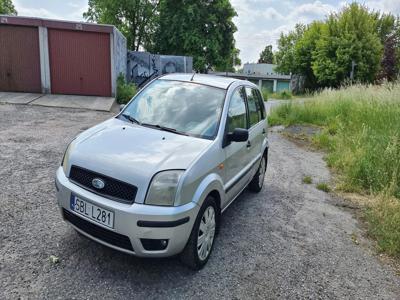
(154, 180)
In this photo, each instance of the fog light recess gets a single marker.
(154, 244)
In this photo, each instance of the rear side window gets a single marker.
(261, 101)
(237, 117)
(253, 102)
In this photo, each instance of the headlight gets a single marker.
(163, 188)
(65, 159)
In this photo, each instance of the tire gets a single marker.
(191, 256)
(257, 182)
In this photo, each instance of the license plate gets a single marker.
(92, 211)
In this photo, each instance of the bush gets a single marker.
(125, 91)
(283, 95)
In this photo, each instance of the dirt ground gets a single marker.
(290, 241)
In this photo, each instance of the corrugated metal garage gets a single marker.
(19, 59)
(79, 62)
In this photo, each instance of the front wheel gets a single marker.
(201, 240)
(257, 182)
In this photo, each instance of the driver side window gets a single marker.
(237, 117)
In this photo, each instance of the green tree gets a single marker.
(349, 36)
(266, 56)
(200, 28)
(7, 8)
(389, 62)
(303, 53)
(285, 56)
(134, 18)
(230, 62)
(385, 25)
(388, 29)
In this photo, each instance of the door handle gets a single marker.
(248, 145)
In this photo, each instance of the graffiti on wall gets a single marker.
(143, 66)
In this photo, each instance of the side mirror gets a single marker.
(121, 107)
(238, 135)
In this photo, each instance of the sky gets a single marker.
(259, 22)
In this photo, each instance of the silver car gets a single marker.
(154, 180)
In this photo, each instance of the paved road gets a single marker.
(289, 241)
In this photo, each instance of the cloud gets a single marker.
(73, 12)
(308, 12)
(271, 13)
(260, 22)
(35, 12)
(387, 6)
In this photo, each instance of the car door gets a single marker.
(256, 126)
(237, 157)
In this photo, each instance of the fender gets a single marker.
(209, 183)
(265, 144)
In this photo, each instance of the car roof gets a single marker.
(211, 80)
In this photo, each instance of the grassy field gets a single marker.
(361, 134)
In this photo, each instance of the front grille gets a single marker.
(108, 236)
(113, 188)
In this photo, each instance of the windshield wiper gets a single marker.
(164, 128)
(130, 118)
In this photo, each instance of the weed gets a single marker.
(361, 133)
(322, 186)
(307, 179)
(125, 91)
(362, 138)
(283, 95)
(384, 223)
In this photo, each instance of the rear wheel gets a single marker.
(257, 182)
(201, 240)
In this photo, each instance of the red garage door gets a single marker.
(79, 62)
(19, 59)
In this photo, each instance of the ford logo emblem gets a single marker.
(98, 183)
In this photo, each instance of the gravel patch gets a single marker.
(290, 241)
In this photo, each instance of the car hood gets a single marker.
(133, 153)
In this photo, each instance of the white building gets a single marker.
(263, 75)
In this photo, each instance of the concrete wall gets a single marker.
(143, 65)
(118, 57)
(259, 69)
(44, 60)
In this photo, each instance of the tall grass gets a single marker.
(283, 95)
(361, 133)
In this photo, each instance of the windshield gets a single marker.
(185, 107)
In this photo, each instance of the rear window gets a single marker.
(253, 103)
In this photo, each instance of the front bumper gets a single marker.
(135, 221)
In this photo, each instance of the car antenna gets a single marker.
(194, 73)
